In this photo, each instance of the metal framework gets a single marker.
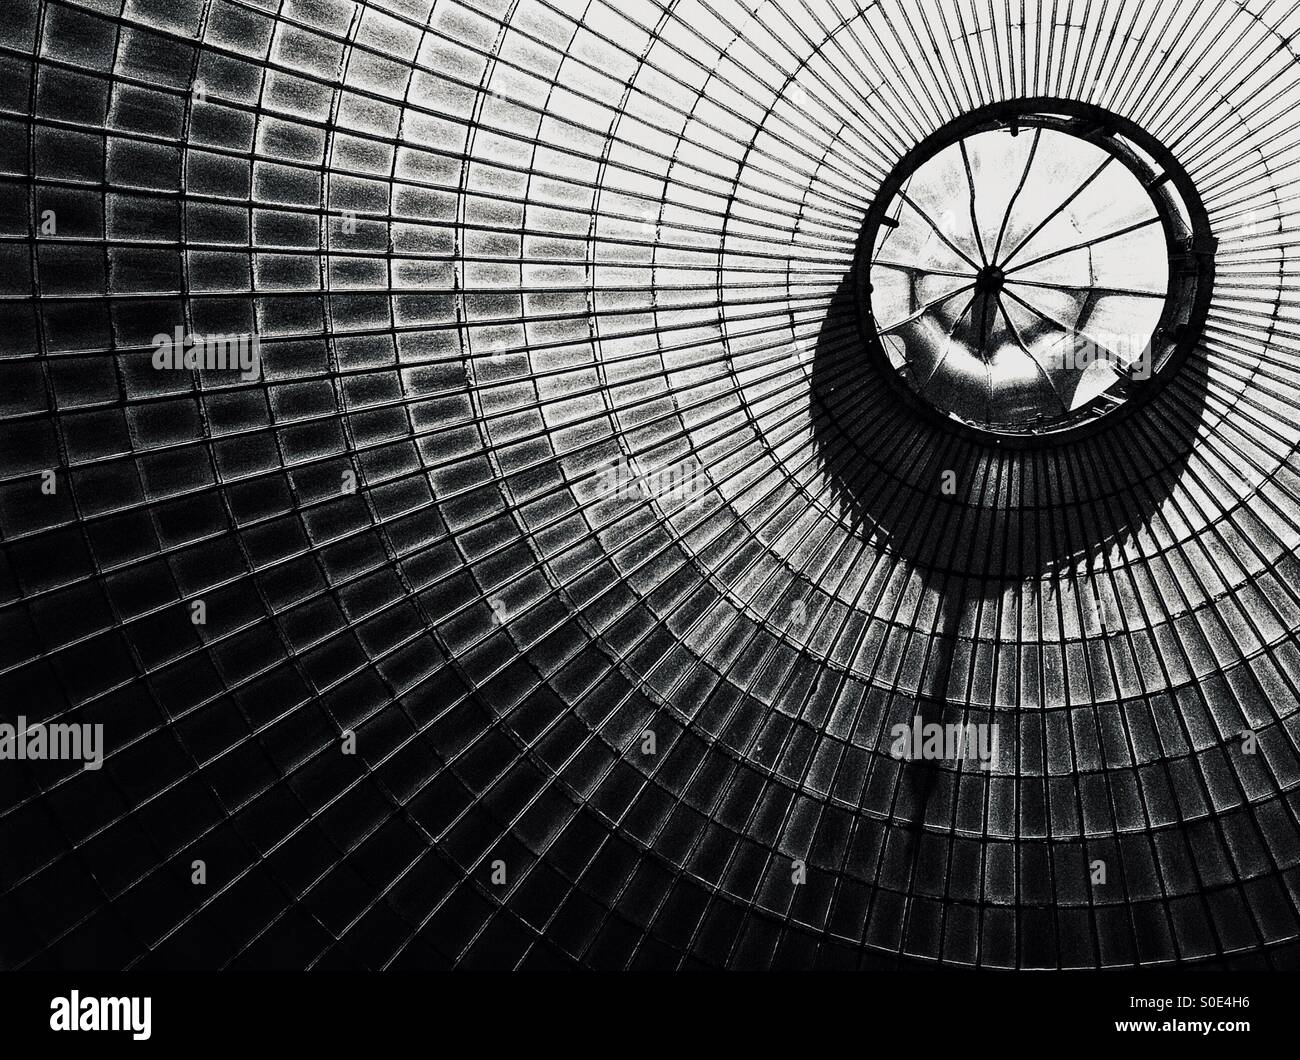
(493, 249)
(1179, 212)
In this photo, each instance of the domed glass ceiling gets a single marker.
(569, 430)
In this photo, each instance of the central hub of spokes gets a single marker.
(984, 310)
(989, 280)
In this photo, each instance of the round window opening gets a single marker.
(1032, 269)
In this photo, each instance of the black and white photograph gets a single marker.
(803, 493)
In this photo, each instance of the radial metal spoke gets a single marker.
(1137, 226)
(1098, 288)
(947, 347)
(1058, 211)
(1112, 357)
(939, 231)
(974, 217)
(1011, 203)
(1015, 332)
(922, 269)
(923, 310)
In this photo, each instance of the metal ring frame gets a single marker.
(1183, 218)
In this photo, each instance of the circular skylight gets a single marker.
(1032, 271)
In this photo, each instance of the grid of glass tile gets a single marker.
(492, 250)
